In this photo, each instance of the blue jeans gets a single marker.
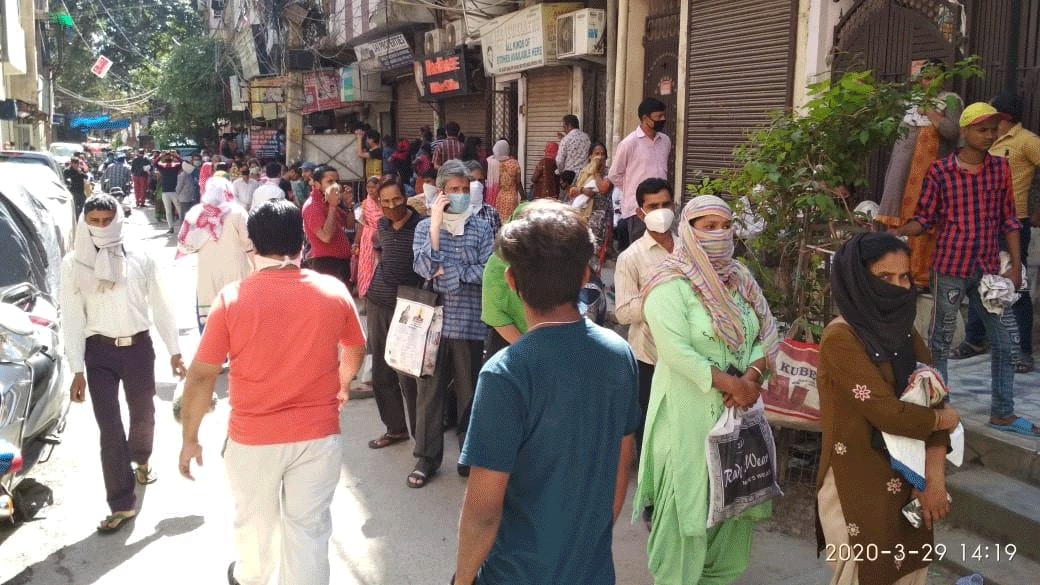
(1022, 310)
(949, 292)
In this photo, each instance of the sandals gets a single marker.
(145, 475)
(1019, 426)
(1025, 365)
(420, 476)
(115, 521)
(966, 350)
(386, 440)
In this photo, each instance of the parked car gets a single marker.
(33, 157)
(48, 188)
(34, 374)
(64, 151)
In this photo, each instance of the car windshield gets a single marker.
(66, 150)
(27, 160)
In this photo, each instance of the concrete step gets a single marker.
(1003, 509)
(1013, 455)
(968, 552)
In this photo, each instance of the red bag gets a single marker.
(790, 394)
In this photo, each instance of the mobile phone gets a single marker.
(734, 371)
(912, 512)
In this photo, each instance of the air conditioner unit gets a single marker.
(432, 42)
(581, 33)
(454, 34)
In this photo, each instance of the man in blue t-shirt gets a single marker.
(550, 439)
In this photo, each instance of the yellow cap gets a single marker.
(979, 112)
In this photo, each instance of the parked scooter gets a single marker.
(34, 396)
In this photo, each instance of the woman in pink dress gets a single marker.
(370, 215)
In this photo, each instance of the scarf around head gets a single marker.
(100, 258)
(881, 314)
(551, 150)
(499, 153)
(205, 221)
(705, 260)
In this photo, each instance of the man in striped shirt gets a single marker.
(968, 197)
(449, 148)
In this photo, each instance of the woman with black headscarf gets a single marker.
(867, 355)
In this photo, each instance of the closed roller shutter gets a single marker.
(548, 101)
(740, 69)
(470, 112)
(409, 113)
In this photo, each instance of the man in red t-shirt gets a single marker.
(283, 451)
(324, 222)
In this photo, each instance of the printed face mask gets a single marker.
(659, 220)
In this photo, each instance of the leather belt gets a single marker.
(121, 341)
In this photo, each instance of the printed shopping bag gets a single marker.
(415, 332)
(790, 394)
(741, 463)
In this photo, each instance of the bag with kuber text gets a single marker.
(790, 394)
(415, 332)
(741, 463)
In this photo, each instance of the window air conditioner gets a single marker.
(581, 33)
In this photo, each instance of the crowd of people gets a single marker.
(547, 441)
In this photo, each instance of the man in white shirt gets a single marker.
(656, 208)
(107, 290)
(574, 147)
(269, 189)
(244, 187)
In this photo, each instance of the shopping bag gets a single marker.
(741, 463)
(790, 395)
(415, 332)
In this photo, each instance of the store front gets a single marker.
(453, 80)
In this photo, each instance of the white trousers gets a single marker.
(169, 204)
(282, 495)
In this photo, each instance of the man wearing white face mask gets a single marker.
(107, 290)
(451, 248)
(477, 205)
(656, 206)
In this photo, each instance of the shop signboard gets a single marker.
(391, 52)
(267, 98)
(524, 39)
(266, 143)
(444, 74)
(321, 91)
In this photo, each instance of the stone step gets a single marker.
(968, 552)
(1002, 509)
(1012, 455)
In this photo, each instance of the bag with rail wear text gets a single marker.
(415, 332)
(741, 463)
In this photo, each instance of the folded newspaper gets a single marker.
(925, 388)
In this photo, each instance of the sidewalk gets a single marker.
(970, 391)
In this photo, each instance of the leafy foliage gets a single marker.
(797, 171)
(190, 89)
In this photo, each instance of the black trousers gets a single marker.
(646, 378)
(459, 360)
(338, 267)
(394, 392)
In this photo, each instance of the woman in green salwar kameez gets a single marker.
(706, 315)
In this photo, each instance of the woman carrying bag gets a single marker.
(867, 356)
(706, 315)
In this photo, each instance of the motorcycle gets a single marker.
(34, 397)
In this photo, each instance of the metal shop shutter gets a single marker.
(470, 112)
(548, 101)
(409, 113)
(740, 68)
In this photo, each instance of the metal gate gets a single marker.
(504, 124)
(886, 37)
(661, 64)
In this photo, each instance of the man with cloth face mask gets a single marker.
(451, 248)
(107, 289)
(656, 208)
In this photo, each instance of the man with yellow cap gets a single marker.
(969, 198)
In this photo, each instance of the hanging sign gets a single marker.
(444, 75)
(321, 89)
(101, 66)
(391, 52)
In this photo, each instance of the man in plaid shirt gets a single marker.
(451, 247)
(968, 197)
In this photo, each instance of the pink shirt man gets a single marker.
(638, 157)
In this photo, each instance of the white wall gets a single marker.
(816, 22)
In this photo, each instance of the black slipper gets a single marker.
(386, 440)
(418, 479)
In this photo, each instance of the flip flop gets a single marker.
(418, 479)
(386, 440)
(115, 521)
(1021, 426)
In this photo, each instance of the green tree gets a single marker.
(190, 92)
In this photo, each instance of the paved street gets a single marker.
(385, 533)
